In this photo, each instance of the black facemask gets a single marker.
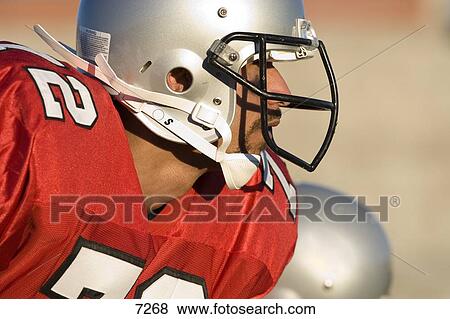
(221, 56)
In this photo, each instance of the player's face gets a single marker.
(246, 127)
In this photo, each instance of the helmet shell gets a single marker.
(173, 34)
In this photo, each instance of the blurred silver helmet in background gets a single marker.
(336, 259)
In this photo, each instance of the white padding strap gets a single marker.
(237, 168)
(106, 74)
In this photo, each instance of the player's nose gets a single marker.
(277, 84)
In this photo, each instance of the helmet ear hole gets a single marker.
(179, 80)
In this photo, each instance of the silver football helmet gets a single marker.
(133, 46)
(336, 259)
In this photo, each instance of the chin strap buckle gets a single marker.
(205, 115)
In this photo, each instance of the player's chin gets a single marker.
(255, 143)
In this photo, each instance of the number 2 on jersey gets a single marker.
(83, 114)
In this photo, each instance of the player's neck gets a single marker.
(165, 171)
(164, 168)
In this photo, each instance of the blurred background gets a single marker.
(393, 137)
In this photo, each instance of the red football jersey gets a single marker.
(67, 229)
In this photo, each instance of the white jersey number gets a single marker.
(94, 271)
(83, 114)
(170, 283)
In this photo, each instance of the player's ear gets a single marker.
(179, 80)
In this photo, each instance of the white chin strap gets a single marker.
(237, 168)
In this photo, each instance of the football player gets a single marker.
(172, 101)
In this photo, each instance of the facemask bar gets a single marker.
(216, 61)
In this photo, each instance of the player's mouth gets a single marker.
(274, 117)
(274, 122)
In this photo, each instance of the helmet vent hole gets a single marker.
(179, 80)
